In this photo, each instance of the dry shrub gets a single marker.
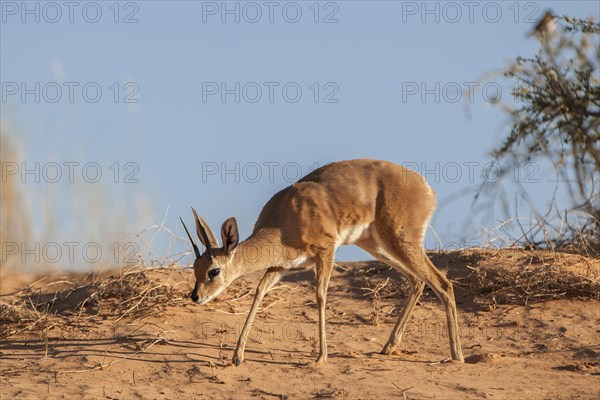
(533, 277)
(374, 281)
(373, 276)
(131, 293)
(15, 319)
(505, 276)
(136, 295)
(527, 285)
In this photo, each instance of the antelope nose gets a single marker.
(194, 296)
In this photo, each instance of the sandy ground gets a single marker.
(542, 350)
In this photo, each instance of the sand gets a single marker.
(515, 347)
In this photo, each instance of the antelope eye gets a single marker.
(214, 272)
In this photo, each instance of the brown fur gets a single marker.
(381, 207)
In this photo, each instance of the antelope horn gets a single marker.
(193, 244)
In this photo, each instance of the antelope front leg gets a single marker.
(268, 280)
(324, 267)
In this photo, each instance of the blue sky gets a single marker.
(374, 79)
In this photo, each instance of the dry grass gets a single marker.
(506, 276)
(490, 276)
(532, 276)
(373, 281)
(15, 225)
(18, 318)
(128, 293)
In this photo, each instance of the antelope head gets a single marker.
(214, 269)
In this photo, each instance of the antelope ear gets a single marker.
(230, 234)
(205, 234)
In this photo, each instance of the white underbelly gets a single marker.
(350, 234)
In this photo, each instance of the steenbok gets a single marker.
(379, 206)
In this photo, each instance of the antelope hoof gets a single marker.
(387, 349)
(237, 360)
(322, 360)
